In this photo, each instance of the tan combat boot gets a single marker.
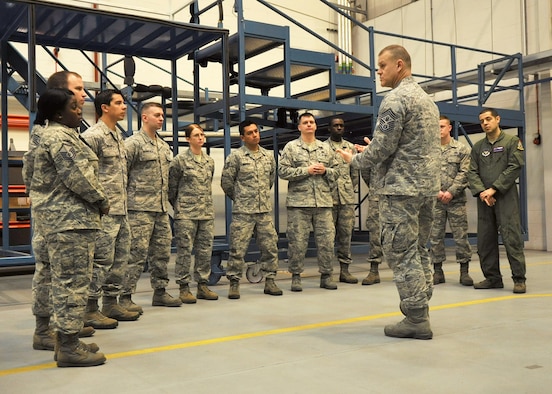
(115, 311)
(465, 278)
(271, 288)
(43, 337)
(94, 318)
(71, 354)
(326, 282)
(414, 325)
(204, 293)
(438, 274)
(344, 274)
(162, 298)
(186, 295)
(373, 276)
(125, 301)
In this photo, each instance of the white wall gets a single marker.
(505, 26)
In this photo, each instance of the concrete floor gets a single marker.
(485, 341)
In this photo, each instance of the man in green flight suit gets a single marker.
(495, 164)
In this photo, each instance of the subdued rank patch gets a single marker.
(68, 152)
(35, 139)
(387, 120)
(520, 145)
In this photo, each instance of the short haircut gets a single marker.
(335, 118)
(191, 127)
(148, 105)
(58, 80)
(244, 124)
(398, 52)
(104, 97)
(304, 115)
(491, 110)
(445, 117)
(51, 103)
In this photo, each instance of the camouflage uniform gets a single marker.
(344, 195)
(148, 203)
(67, 198)
(246, 179)
(191, 196)
(309, 202)
(113, 243)
(498, 165)
(455, 163)
(406, 151)
(42, 278)
(373, 226)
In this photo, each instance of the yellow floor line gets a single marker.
(275, 331)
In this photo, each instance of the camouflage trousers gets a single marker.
(344, 222)
(110, 257)
(405, 225)
(42, 278)
(151, 239)
(242, 228)
(71, 254)
(373, 226)
(456, 214)
(300, 223)
(194, 235)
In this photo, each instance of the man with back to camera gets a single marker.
(496, 162)
(343, 193)
(308, 165)
(247, 178)
(451, 206)
(405, 151)
(113, 242)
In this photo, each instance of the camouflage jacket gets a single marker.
(455, 164)
(190, 186)
(28, 162)
(346, 178)
(305, 190)
(406, 143)
(496, 165)
(109, 147)
(64, 187)
(148, 163)
(247, 178)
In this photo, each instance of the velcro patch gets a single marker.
(68, 152)
(387, 120)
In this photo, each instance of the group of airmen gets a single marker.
(100, 206)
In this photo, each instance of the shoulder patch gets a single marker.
(387, 120)
(68, 152)
(520, 145)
